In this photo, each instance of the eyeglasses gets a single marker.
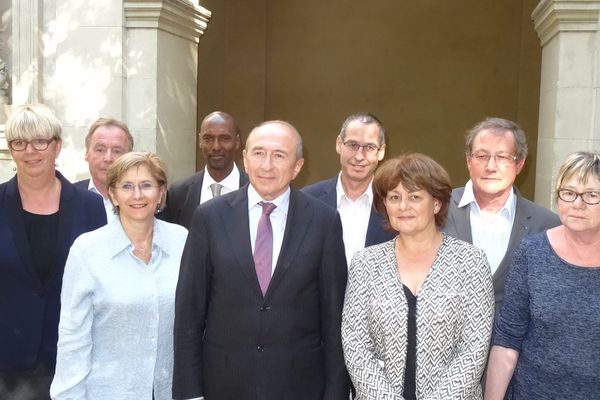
(591, 198)
(144, 187)
(37, 144)
(501, 159)
(355, 147)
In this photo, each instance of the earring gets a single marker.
(14, 167)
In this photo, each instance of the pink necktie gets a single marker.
(263, 248)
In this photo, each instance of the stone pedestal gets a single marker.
(134, 60)
(569, 94)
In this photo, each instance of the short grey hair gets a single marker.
(498, 126)
(367, 119)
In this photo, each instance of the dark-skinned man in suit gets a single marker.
(219, 141)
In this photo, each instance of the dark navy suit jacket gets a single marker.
(183, 198)
(326, 192)
(84, 184)
(30, 308)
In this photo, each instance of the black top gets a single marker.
(410, 387)
(42, 232)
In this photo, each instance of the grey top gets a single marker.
(551, 315)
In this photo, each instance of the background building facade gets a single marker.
(429, 70)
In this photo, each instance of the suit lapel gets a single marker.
(296, 227)
(66, 219)
(519, 229)
(192, 200)
(235, 220)
(329, 194)
(461, 218)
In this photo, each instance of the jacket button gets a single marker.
(264, 308)
(260, 348)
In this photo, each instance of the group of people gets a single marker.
(380, 283)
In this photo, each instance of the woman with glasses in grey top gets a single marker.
(546, 335)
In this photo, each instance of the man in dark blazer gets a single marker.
(30, 307)
(219, 140)
(361, 145)
(237, 336)
(489, 211)
(107, 139)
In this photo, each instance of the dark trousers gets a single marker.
(31, 384)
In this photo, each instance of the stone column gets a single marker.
(134, 60)
(569, 117)
(161, 64)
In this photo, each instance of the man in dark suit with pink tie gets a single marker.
(261, 287)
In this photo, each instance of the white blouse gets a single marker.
(116, 322)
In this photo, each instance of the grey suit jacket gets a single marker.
(183, 198)
(529, 218)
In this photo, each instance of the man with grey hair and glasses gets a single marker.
(489, 211)
(361, 145)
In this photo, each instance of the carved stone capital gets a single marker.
(179, 17)
(553, 16)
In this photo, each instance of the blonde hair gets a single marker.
(32, 121)
(580, 165)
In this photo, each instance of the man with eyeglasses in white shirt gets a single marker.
(361, 145)
(489, 211)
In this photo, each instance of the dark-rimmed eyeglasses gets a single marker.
(144, 187)
(592, 198)
(37, 144)
(366, 148)
(501, 159)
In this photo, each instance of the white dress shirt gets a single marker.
(116, 322)
(108, 206)
(491, 233)
(355, 216)
(229, 184)
(278, 219)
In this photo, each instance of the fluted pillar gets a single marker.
(569, 117)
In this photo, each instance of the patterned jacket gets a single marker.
(455, 308)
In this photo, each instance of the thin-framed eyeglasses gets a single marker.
(591, 198)
(144, 187)
(501, 159)
(354, 147)
(37, 144)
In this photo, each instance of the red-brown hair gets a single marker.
(414, 171)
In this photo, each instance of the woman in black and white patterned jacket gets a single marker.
(419, 308)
